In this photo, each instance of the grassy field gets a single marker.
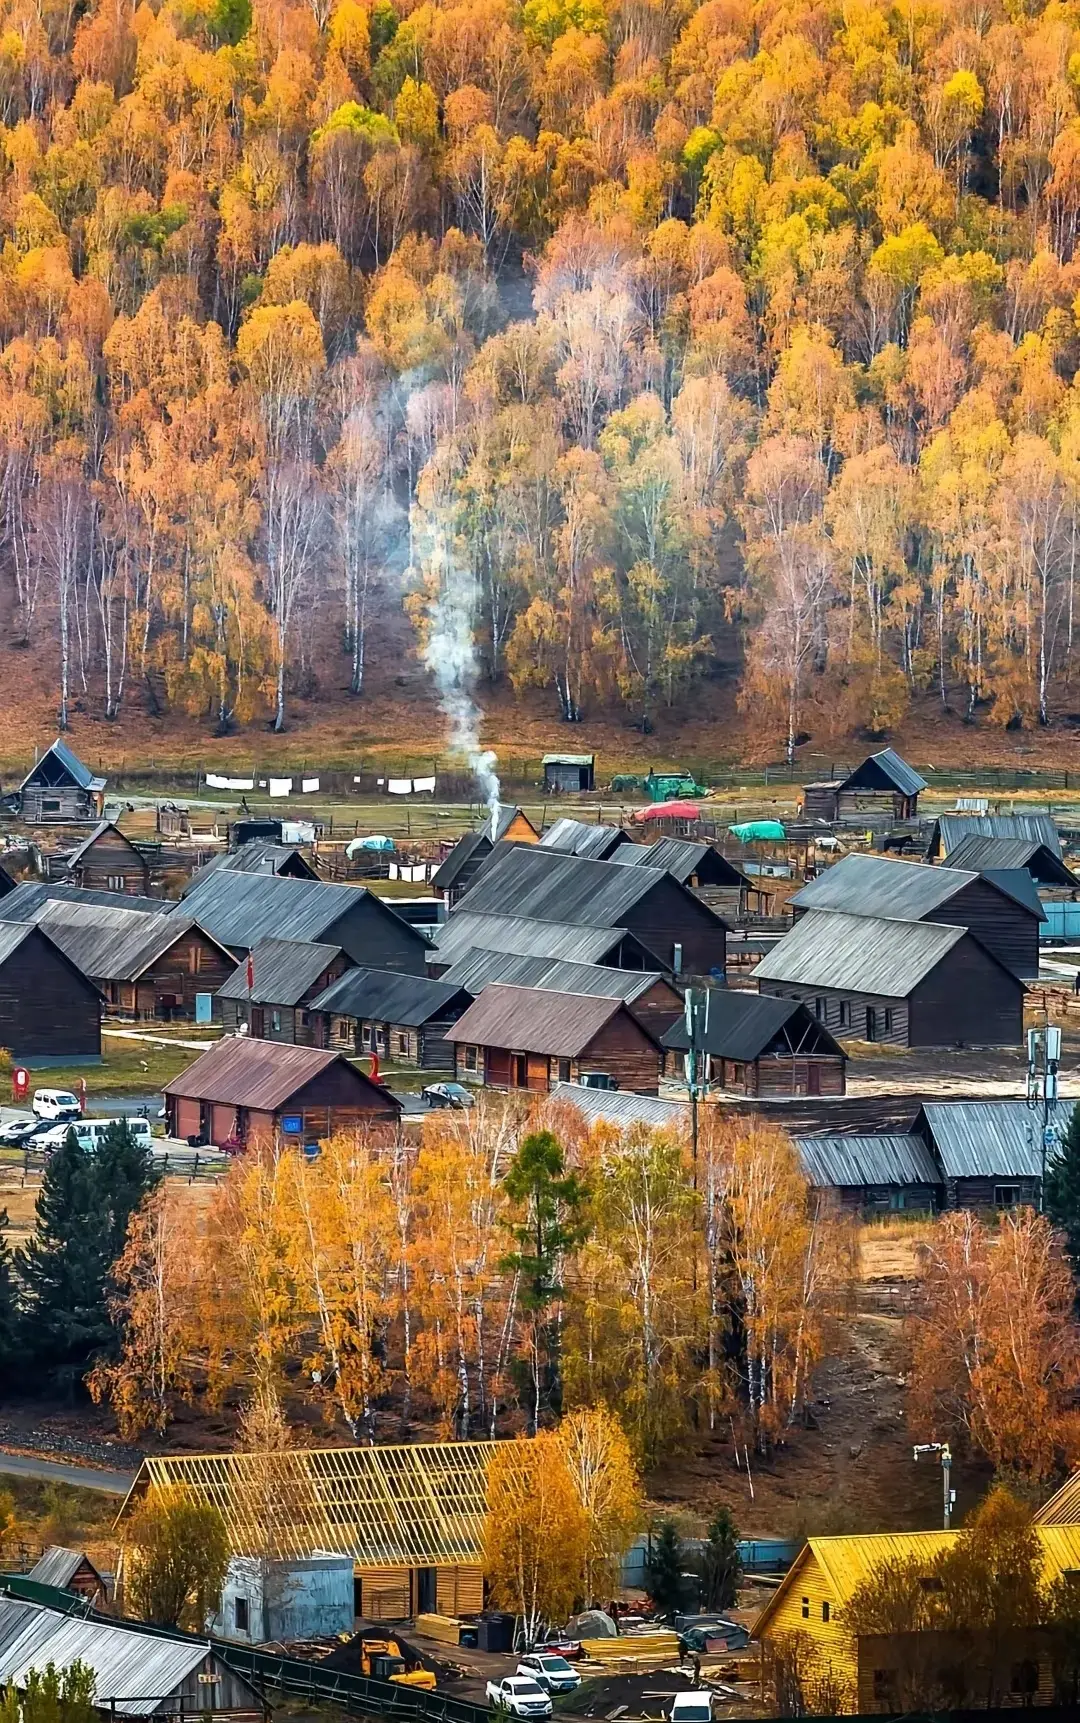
(126, 1068)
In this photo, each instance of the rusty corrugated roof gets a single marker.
(530, 1020)
(241, 1071)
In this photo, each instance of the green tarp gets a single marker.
(752, 831)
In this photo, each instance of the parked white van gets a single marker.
(56, 1104)
(90, 1132)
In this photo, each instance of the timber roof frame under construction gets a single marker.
(419, 1505)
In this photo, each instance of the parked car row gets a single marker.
(47, 1135)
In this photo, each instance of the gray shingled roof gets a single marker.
(382, 996)
(529, 1020)
(741, 1025)
(951, 829)
(260, 856)
(904, 890)
(76, 855)
(859, 953)
(478, 969)
(984, 854)
(111, 943)
(544, 886)
(25, 901)
(988, 1139)
(580, 838)
(283, 971)
(904, 777)
(679, 856)
(465, 932)
(57, 1565)
(240, 909)
(835, 1161)
(623, 1108)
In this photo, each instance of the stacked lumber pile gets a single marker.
(445, 1628)
(633, 1651)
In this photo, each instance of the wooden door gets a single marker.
(813, 1079)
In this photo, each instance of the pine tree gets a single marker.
(86, 1201)
(664, 1569)
(552, 1222)
(1062, 1191)
(720, 1564)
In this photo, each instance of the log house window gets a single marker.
(826, 1610)
(845, 1014)
(806, 1608)
(471, 1058)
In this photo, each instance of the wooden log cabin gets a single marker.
(105, 861)
(1002, 909)
(646, 994)
(60, 790)
(261, 856)
(757, 1045)
(405, 1018)
(526, 1038)
(50, 1010)
(243, 1093)
(883, 786)
(990, 1153)
(147, 966)
(683, 935)
(698, 865)
(242, 909)
(273, 1004)
(908, 983)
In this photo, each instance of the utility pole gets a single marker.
(696, 1016)
(1044, 1057)
(944, 1453)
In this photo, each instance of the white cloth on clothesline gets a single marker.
(309, 784)
(399, 786)
(280, 786)
(215, 781)
(424, 784)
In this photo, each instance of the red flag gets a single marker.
(250, 972)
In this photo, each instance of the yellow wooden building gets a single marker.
(411, 1517)
(808, 1609)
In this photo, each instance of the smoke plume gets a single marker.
(450, 655)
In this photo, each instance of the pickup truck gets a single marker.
(520, 1696)
(551, 1673)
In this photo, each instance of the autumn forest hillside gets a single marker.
(676, 354)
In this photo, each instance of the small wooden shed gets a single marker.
(570, 774)
(243, 1092)
(529, 1038)
(60, 789)
(883, 784)
(107, 861)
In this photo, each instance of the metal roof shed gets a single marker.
(886, 1171)
(569, 772)
(136, 1673)
(950, 829)
(526, 1038)
(977, 1138)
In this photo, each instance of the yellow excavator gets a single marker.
(382, 1660)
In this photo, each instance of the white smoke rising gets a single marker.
(450, 655)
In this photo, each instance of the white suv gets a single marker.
(89, 1133)
(520, 1696)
